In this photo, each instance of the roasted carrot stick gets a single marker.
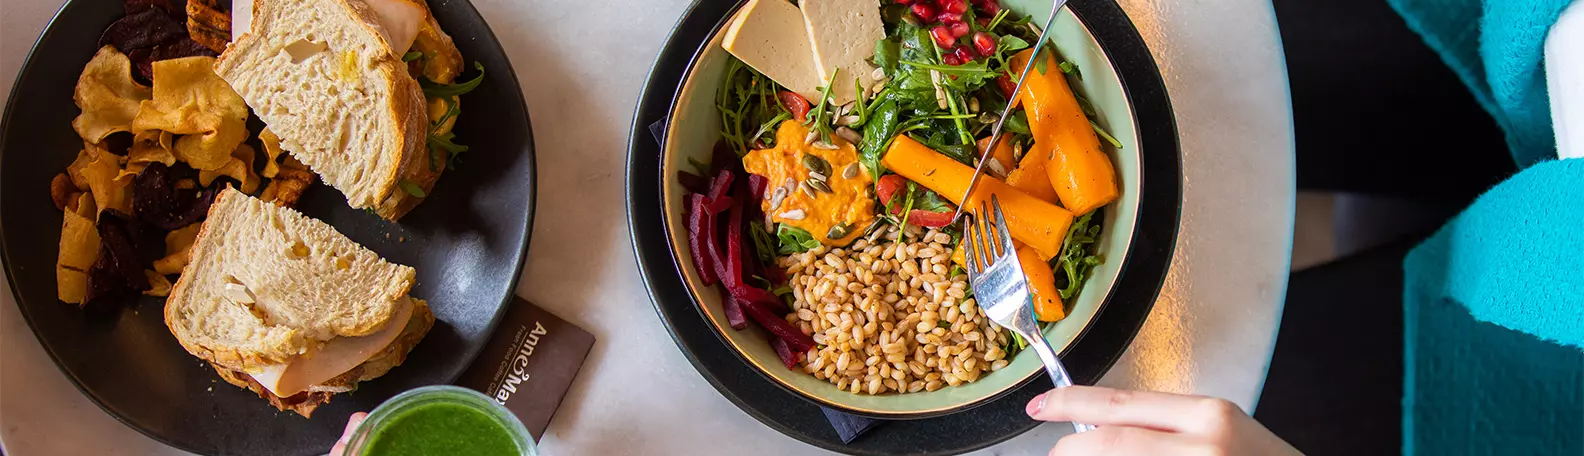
(1030, 175)
(1039, 224)
(1047, 301)
(1080, 173)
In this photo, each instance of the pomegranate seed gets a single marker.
(942, 36)
(923, 10)
(984, 22)
(947, 16)
(951, 59)
(904, 2)
(958, 29)
(965, 54)
(955, 6)
(991, 8)
(985, 43)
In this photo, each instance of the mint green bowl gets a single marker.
(694, 128)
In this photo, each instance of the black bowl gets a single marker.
(1087, 360)
(467, 241)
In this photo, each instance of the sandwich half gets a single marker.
(335, 80)
(285, 306)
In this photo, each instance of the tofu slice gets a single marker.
(770, 36)
(843, 34)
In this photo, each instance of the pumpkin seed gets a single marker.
(973, 105)
(818, 185)
(851, 135)
(850, 172)
(795, 214)
(816, 164)
(837, 232)
(996, 167)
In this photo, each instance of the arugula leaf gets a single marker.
(1009, 43)
(931, 201)
(888, 53)
(1069, 68)
(435, 89)
(411, 56)
(1018, 123)
(794, 240)
(699, 168)
(411, 188)
(763, 246)
(878, 133)
(1104, 135)
(1075, 259)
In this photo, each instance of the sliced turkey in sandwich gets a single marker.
(287, 307)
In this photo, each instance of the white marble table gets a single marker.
(1211, 332)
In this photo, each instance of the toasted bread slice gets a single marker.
(326, 79)
(267, 283)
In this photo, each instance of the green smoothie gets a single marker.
(441, 428)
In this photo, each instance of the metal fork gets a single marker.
(1003, 290)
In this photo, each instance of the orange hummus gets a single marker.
(850, 201)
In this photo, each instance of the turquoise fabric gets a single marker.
(1494, 301)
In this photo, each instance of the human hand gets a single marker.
(1147, 423)
(346, 434)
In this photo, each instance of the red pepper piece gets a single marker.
(795, 104)
(889, 188)
(699, 240)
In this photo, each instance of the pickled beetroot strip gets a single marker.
(734, 312)
(778, 326)
(720, 185)
(698, 219)
(788, 358)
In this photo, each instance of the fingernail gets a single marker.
(1035, 405)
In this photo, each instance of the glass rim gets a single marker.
(364, 434)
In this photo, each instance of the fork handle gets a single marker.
(1053, 366)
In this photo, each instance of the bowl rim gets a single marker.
(677, 251)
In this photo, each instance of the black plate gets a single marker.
(1130, 301)
(467, 242)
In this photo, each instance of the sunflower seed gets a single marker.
(807, 190)
(817, 176)
(790, 184)
(822, 145)
(1017, 151)
(812, 136)
(818, 185)
(851, 135)
(837, 232)
(973, 105)
(850, 172)
(795, 214)
(877, 73)
(816, 164)
(778, 197)
(847, 121)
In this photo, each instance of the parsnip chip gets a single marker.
(107, 95)
(75, 169)
(191, 101)
(110, 189)
(83, 206)
(79, 248)
(240, 168)
(158, 284)
(272, 150)
(149, 147)
(178, 249)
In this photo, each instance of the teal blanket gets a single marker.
(1494, 301)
